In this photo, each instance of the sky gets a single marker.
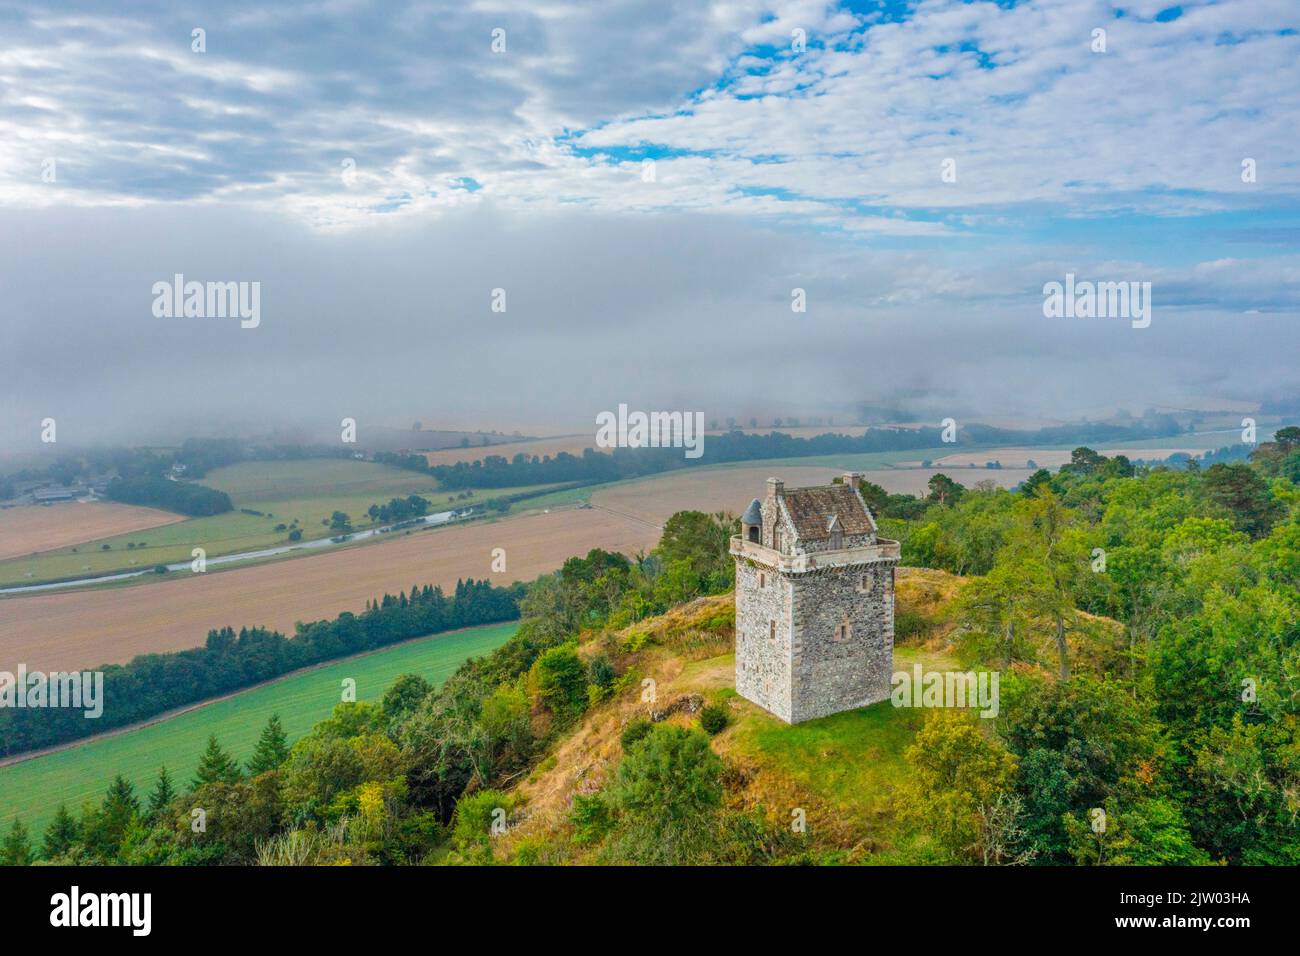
(648, 183)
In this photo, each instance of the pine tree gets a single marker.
(120, 809)
(272, 748)
(60, 834)
(16, 850)
(215, 766)
(163, 793)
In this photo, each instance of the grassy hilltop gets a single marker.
(841, 771)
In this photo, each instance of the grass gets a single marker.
(309, 490)
(33, 789)
(841, 769)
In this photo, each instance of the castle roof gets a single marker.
(816, 512)
(753, 514)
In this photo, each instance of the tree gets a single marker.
(666, 796)
(1146, 833)
(103, 830)
(1053, 557)
(16, 850)
(1244, 494)
(340, 522)
(943, 490)
(215, 766)
(163, 794)
(60, 835)
(1030, 485)
(993, 610)
(1077, 743)
(272, 748)
(1084, 461)
(405, 694)
(958, 788)
(701, 539)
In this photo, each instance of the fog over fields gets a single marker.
(913, 176)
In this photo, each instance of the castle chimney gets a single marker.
(851, 478)
(775, 487)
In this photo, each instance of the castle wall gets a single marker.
(763, 672)
(830, 675)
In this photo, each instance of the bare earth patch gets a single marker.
(29, 528)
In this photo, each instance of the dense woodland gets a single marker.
(1179, 719)
(183, 497)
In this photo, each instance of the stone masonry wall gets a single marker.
(763, 672)
(829, 675)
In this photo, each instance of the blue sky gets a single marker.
(823, 127)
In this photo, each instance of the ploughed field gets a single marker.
(25, 529)
(80, 629)
(271, 498)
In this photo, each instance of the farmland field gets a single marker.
(111, 625)
(1055, 458)
(28, 528)
(541, 447)
(308, 491)
(731, 488)
(33, 789)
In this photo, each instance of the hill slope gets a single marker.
(840, 770)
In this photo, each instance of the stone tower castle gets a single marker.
(814, 602)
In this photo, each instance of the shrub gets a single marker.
(559, 680)
(601, 672)
(635, 730)
(714, 719)
(667, 799)
(590, 817)
(479, 816)
(909, 623)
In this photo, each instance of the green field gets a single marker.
(33, 789)
(309, 490)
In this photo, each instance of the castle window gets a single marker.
(843, 632)
(837, 540)
(753, 532)
(762, 579)
(776, 539)
(771, 630)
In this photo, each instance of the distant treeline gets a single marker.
(197, 455)
(152, 684)
(184, 497)
(495, 471)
